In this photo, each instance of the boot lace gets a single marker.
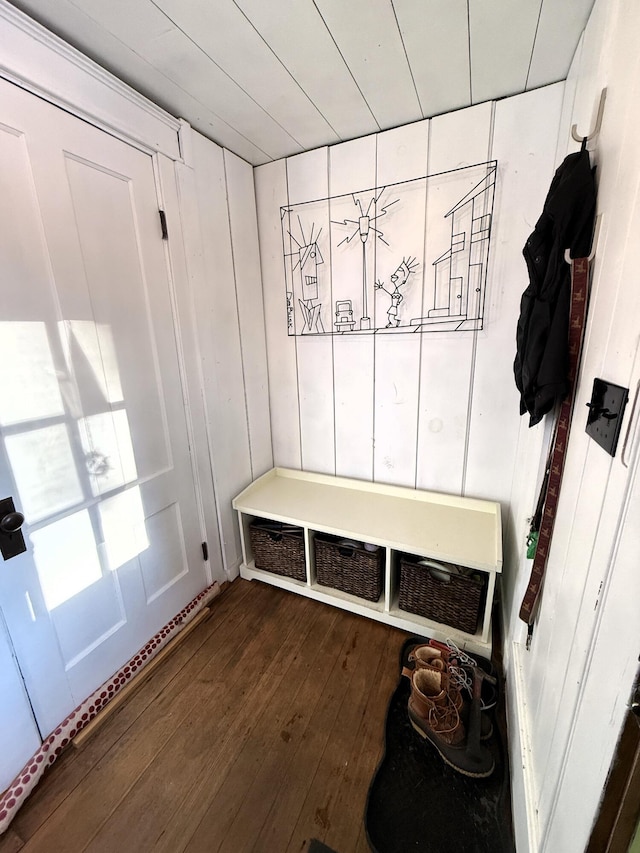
(444, 719)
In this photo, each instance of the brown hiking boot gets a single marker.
(434, 714)
(428, 655)
(435, 655)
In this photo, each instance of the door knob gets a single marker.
(11, 522)
(11, 539)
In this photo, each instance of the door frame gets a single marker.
(619, 811)
(189, 359)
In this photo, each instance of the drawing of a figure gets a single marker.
(398, 280)
(310, 257)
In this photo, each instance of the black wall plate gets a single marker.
(606, 411)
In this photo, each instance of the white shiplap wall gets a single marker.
(435, 410)
(575, 682)
(220, 235)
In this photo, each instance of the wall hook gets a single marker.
(579, 137)
(594, 242)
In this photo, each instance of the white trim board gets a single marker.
(44, 64)
(523, 793)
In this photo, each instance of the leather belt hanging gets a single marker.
(578, 311)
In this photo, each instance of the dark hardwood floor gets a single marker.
(260, 732)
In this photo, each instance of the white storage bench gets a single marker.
(464, 532)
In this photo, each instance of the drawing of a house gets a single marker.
(461, 272)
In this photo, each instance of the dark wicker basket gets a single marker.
(349, 568)
(455, 601)
(278, 548)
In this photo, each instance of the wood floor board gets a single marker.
(362, 845)
(323, 725)
(74, 765)
(346, 824)
(215, 708)
(86, 808)
(322, 800)
(195, 763)
(271, 748)
(260, 732)
(266, 675)
(11, 842)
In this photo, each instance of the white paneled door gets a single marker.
(19, 735)
(94, 447)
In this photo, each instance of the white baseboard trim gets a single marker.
(232, 571)
(523, 792)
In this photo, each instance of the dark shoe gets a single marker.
(434, 715)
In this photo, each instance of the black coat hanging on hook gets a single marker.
(542, 357)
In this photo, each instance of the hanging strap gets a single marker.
(578, 312)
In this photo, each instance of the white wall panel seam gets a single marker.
(499, 65)
(347, 65)
(533, 46)
(226, 74)
(424, 273)
(474, 347)
(264, 320)
(295, 348)
(268, 372)
(333, 356)
(404, 48)
(367, 33)
(471, 101)
(437, 46)
(333, 359)
(271, 50)
(373, 378)
(235, 293)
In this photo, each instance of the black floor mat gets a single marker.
(417, 803)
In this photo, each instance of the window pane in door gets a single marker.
(26, 363)
(95, 359)
(106, 441)
(44, 470)
(66, 558)
(123, 527)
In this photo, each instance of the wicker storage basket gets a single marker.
(278, 548)
(441, 595)
(349, 567)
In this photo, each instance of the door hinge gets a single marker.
(205, 551)
(163, 225)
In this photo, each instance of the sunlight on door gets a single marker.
(94, 434)
(69, 446)
(66, 570)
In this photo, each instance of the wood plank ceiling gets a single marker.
(270, 78)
